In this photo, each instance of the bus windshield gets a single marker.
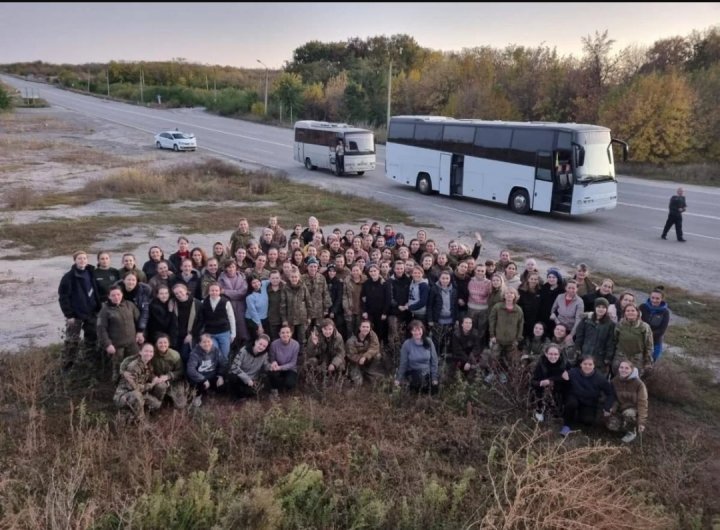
(598, 161)
(359, 142)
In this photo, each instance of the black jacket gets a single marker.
(76, 299)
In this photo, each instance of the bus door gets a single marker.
(445, 170)
(563, 181)
(299, 152)
(543, 193)
(457, 167)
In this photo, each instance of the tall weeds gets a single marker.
(538, 483)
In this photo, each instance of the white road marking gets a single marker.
(660, 228)
(714, 218)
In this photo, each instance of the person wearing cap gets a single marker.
(80, 303)
(595, 336)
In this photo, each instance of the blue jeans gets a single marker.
(222, 341)
(657, 350)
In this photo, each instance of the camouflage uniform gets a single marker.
(293, 309)
(368, 348)
(319, 301)
(238, 240)
(326, 352)
(134, 389)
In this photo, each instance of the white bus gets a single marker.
(539, 166)
(315, 143)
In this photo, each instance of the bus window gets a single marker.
(492, 143)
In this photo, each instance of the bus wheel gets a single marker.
(519, 202)
(424, 185)
(361, 173)
(308, 164)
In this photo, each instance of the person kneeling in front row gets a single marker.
(586, 385)
(205, 368)
(136, 384)
(283, 362)
(418, 362)
(248, 368)
(629, 412)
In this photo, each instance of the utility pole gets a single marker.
(389, 96)
(266, 83)
(107, 76)
(142, 81)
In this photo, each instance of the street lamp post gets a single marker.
(389, 95)
(266, 83)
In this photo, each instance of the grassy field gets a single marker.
(157, 191)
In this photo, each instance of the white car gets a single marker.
(175, 140)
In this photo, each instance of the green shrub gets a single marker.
(284, 429)
(184, 504)
(258, 509)
(5, 101)
(306, 501)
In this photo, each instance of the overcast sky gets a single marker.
(238, 34)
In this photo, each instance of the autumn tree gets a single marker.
(288, 90)
(706, 130)
(654, 114)
(598, 68)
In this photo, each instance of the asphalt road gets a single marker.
(624, 241)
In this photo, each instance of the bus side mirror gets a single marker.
(625, 148)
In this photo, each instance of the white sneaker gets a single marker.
(539, 417)
(197, 402)
(629, 437)
(503, 379)
(274, 394)
(489, 378)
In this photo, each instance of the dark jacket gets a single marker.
(530, 303)
(375, 297)
(399, 293)
(544, 369)
(105, 279)
(587, 388)
(597, 338)
(78, 294)
(465, 348)
(204, 365)
(161, 320)
(336, 296)
(677, 205)
(435, 303)
(141, 296)
(657, 318)
(547, 299)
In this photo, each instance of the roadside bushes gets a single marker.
(5, 101)
(231, 101)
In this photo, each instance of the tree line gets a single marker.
(662, 98)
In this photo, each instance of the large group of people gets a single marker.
(276, 310)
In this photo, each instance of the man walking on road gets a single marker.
(677, 207)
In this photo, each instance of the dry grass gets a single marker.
(341, 459)
(206, 181)
(21, 198)
(538, 483)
